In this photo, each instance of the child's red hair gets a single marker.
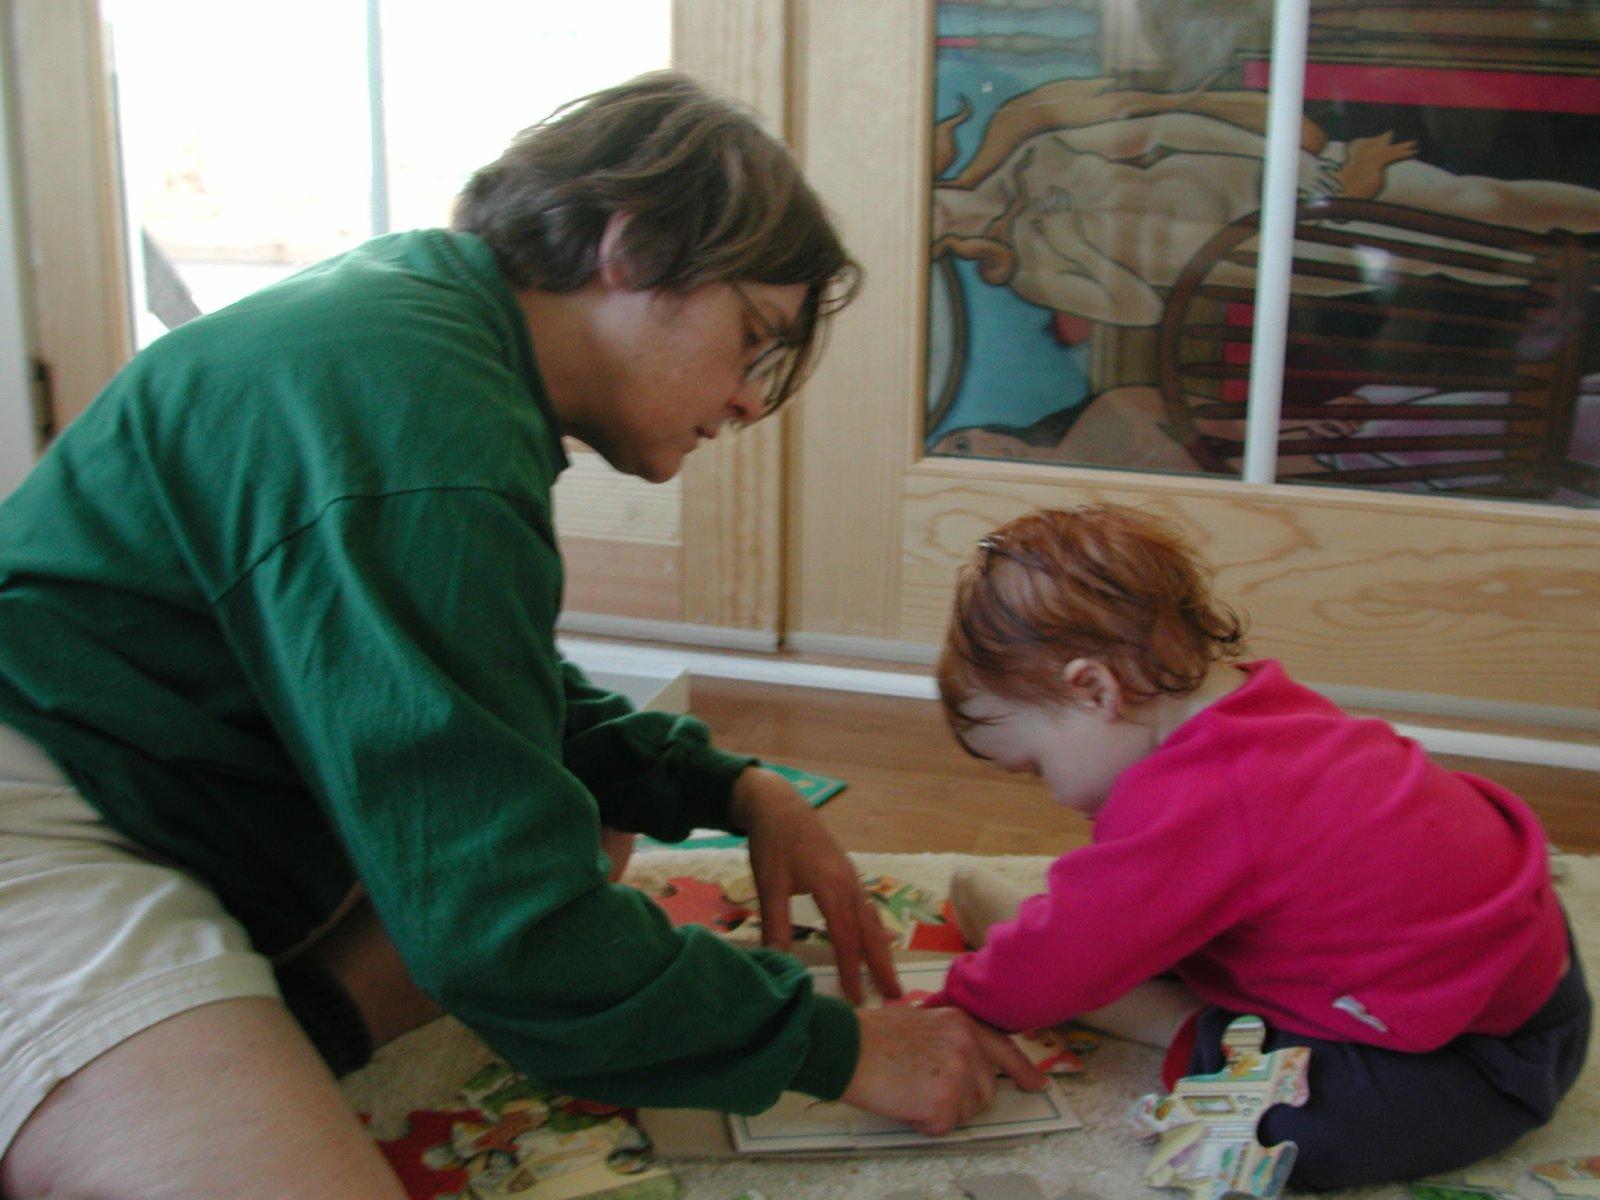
(1103, 582)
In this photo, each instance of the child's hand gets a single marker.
(933, 1068)
(792, 852)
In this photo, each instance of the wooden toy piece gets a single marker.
(1013, 1185)
(1207, 1125)
(1571, 1177)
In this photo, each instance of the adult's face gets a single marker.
(680, 368)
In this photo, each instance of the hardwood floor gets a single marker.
(911, 788)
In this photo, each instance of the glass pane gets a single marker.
(246, 126)
(1095, 233)
(1086, 154)
(1441, 335)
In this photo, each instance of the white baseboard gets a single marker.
(760, 641)
(845, 646)
(622, 659)
(608, 656)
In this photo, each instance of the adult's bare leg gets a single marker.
(228, 1099)
(618, 847)
(360, 954)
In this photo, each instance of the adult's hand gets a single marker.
(792, 852)
(933, 1068)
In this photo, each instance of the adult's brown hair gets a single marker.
(710, 197)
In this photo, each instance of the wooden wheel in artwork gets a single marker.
(1422, 349)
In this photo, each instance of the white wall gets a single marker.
(16, 418)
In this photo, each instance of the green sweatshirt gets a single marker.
(282, 605)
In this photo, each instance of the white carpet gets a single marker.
(1101, 1160)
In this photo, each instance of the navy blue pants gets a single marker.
(1378, 1115)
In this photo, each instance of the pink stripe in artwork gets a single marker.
(1237, 353)
(1518, 91)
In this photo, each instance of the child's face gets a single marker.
(1078, 751)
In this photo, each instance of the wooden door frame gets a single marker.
(18, 433)
(733, 488)
(67, 196)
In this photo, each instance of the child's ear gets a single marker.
(1092, 685)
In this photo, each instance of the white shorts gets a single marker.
(99, 940)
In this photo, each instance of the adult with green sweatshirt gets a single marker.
(287, 747)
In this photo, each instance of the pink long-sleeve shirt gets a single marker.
(1292, 861)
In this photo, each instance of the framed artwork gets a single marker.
(1096, 196)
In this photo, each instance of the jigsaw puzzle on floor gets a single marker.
(909, 913)
(511, 1139)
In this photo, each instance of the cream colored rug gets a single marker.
(1101, 1160)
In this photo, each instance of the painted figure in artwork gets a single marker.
(1085, 201)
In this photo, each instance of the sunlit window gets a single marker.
(257, 138)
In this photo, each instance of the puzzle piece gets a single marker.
(901, 904)
(407, 1155)
(1207, 1125)
(945, 937)
(1051, 1050)
(742, 890)
(908, 912)
(1575, 1177)
(689, 901)
(516, 1140)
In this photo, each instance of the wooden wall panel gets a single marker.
(1460, 598)
(621, 540)
(862, 108)
(733, 487)
(593, 500)
(619, 578)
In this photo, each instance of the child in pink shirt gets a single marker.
(1278, 856)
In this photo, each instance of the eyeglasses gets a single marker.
(774, 367)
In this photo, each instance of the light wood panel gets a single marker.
(733, 487)
(70, 205)
(623, 579)
(1464, 597)
(621, 541)
(595, 501)
(862, 106)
